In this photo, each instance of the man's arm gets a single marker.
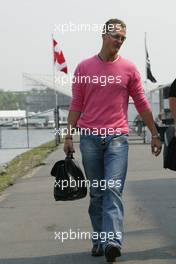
(172, 104)
(144, 109)
(148, 120)
(72, 120)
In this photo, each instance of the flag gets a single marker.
(148, 66)
(59, 60)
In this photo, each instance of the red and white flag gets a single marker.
(59, 60)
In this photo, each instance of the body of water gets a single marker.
(16, 141)
(18, 138)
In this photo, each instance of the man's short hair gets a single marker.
(109, 25)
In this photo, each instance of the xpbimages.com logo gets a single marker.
(102, 184)
(83, 235)
(86, 27)
(101, 80)
(63, 131)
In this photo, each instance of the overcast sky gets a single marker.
(26, 27)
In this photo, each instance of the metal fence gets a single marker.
(36, 129)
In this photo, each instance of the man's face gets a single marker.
(114, 38)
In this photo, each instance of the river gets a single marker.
(16, 141)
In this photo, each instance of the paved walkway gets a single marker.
(29, 216)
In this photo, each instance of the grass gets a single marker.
(23, 163)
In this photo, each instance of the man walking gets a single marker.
(99, 104)
(172, 99)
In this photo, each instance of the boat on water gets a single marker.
(51, 124)
(15, 125)
(39, 125)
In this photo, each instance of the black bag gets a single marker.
(70, 183)
(169, 153)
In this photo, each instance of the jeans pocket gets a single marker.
(122, 139)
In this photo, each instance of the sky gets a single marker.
(27, 26)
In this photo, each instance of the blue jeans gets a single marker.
(105, 161)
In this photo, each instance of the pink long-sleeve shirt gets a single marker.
(101, 90)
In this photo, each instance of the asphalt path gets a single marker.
(30, 218)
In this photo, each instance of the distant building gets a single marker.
(46, 116)
(7, 117)
(63, 115)
(42, 100)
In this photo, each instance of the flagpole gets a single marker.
(59, 60)
(56, 99)
(145, 44)
(54, 86)
(145, 41)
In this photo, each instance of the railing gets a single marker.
(31, 134)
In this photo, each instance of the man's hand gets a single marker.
(68, 146)
(156, 146)
(156, 143)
